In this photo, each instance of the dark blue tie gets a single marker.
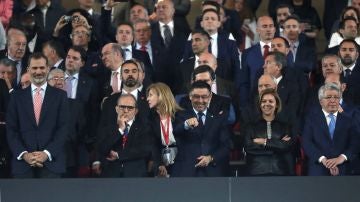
(200, 119)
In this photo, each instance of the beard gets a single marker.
(131, 82)
(347, 61)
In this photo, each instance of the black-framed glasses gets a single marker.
(128, 107)
(196, 96)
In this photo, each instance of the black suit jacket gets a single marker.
(87, 93)
(53, 14)
(132, 158)
(76, 132)
(144, 57)
(351, 93)
(185, 69)
(168, 58)
(25, 135)
(211, 139)
(4, 148)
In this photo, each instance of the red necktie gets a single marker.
(143, 48)
(37, 104)
(125, 136)
(266, 50)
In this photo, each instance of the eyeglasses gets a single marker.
(80, 33)
(332, 97)
(197, 97)
(123, 107)
(57, 79)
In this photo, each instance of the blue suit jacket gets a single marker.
(213, 139)
(251, 62)
(317, 141)
(25, 135)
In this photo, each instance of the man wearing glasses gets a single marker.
(330, 138)
(125, 146)
(204, 138)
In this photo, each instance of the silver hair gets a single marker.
(327, 87)
(54, 71)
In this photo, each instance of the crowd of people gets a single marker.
(133, 91)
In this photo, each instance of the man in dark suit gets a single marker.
(222, 46)
(349, 55)
(125, 146)
(200, 41)
(112, 57)
(252, 58)
(38, 111)
(8, 73)
(75, 139)
(125, 37)
(81, 87)
(16, 48)
(275, 66)
(330, 138)
(4, 147)
(283, 11)
(55, 53)
(218, 104)
(170, 36)
(132, 76)
(303, 54)
(203, 138)
(47, 13)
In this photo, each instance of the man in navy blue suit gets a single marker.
(203, 138)
(252, 58)
(330, 137)
(349, 55)
(36, 125)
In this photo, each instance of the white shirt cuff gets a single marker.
(186, 126)
(48, 154)
(21, 155)
(96, 163)
(321, 158)
(344, 157)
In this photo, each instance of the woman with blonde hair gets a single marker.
(162, 116)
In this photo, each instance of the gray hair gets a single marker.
(54, 71)
(117, 48)
(338, 60)
(8, 63)
(327, 87)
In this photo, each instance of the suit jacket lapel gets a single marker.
(323, 125)
(46, 102)
(208, 122)
(29, 104)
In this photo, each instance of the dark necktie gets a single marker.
(347, 73)
(266, 50)
(200, 119)
(167, 36)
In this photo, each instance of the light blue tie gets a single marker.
(332, 125)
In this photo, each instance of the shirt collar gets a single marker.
(76, 76)
(129, 47)
(214, 37)
(170, 24)
(58, 63)
(43, 87)
(148, 46)
(196, 112)
(351, 67)
(278, 79)
(262, 44)
(327, 113)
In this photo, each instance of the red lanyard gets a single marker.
(165, 132)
